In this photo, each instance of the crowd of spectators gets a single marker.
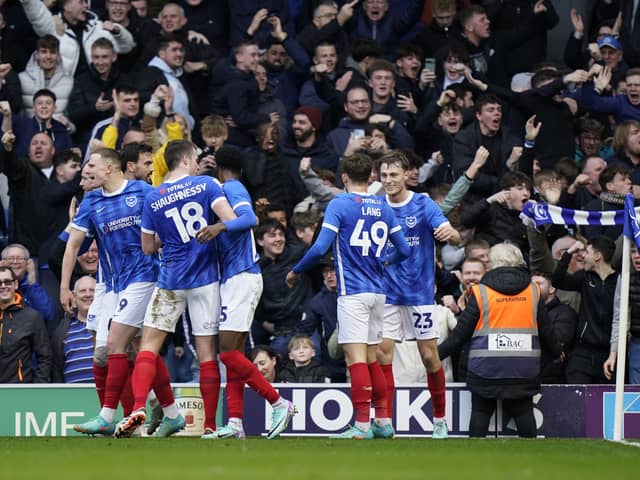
(463, 88)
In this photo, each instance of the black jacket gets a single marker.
(87, 88)
(22, 334)
(565, 321)
(235, 93)
(508, 281)
(281, 305)
(312, 373)
(596, 303)
(267, 176)
(26, 183)
(322, 157)
(534, 50)
(496, 223)
(465, 144)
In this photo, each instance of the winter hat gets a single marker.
(313, 113)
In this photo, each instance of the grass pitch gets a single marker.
(314, 458)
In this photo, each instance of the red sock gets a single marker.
(118, 370)
(126, 397)
(361, 391)
(387, 371)
(162, 384)
(248, 372)
(234, 389)
(100, 379)
(378, 390)
(142, 378)
(437, 388)
(210, 390)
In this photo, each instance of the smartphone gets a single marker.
(430, 64)
(358, 133)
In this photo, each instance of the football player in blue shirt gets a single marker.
(361, 226)
(173, 214)
(240, 290)
(408, 312)
(113, 214)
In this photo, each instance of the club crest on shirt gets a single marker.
(131, 201)
(411, 221)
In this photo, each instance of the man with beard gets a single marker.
(287, 65)
(306, 142)
(137, 161)
(266, 171)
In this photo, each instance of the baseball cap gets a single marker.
(609, 41)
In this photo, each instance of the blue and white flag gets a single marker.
(631, 228)
(537, 214)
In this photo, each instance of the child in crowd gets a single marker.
(303, 368)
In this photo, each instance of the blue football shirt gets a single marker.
(362, 224)
(237, 250)
(176, 211)
(115, 220)
(412, 281)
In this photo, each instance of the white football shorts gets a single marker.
(404, 322)
(360, 318)
(167, 306)
(132, 303)
(239, 295)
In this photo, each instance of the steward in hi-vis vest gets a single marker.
(505, 341)
(507, 326)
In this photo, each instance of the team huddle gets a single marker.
(188, 244)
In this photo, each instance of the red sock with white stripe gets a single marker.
(210, 390)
